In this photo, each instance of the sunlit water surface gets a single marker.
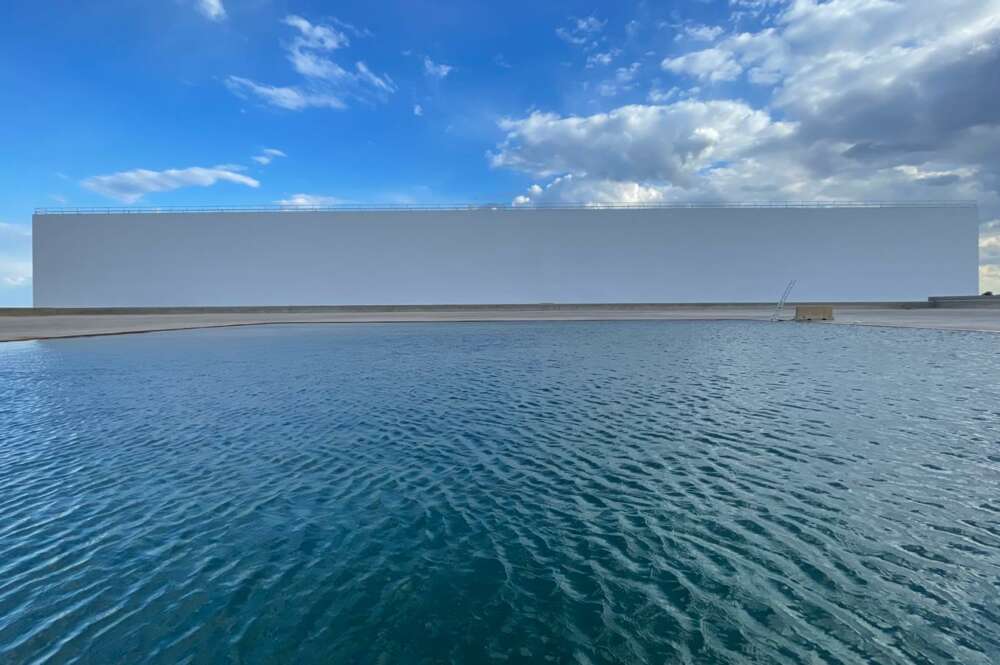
(513, 492)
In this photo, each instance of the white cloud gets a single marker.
(581, 30)
(702, 33)
(14, 231)
(701, 150)
(624, 75)
(989, 257)
(15, 272)
(759, 10)
(623, 80)
(571, 189)
(989, 278)
(267, 155)
(938, 178)
(131, 186)
(604, 58)
(418, 110)
(708, 65)
(436, 70)
(308, 201)
(211, 9)
(500, 61)
(658, 96)
(317, 37)
(305, 50)
(382, 83)
(989, 243)
(326, 84)
(860, 99)
(637, 142)
(293, 99)
(15, 255)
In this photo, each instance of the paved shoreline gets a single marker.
(23, 325)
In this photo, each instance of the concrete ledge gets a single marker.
(451, 308)
(964, 302)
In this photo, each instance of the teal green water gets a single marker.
(636, 492)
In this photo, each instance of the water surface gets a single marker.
(607, 492)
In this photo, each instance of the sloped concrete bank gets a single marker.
(18, 324)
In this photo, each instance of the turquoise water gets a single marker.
(514, 492)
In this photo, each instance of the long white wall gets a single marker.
(503, 256)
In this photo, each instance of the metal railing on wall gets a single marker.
(375, 207)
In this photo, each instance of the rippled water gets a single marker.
(512, 492)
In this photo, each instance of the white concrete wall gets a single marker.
(503, 256)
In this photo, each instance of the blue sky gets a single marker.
(295, 101)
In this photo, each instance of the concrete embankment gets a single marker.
(28, 324)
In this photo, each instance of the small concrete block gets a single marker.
(813, 313)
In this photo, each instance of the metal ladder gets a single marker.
(781, 303)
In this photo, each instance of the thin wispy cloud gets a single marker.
(418, 110)
(268, 155)
(581, 31)
(704, 33)
(131, 186)
(624, 80)
(286, 97)
(436, 70)
(601, 59)
(325, 83)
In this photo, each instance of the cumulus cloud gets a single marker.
(702, 150)
(571, 189)
(638, 143)
(267, 155)
(131, 186)
(886, 83)
(325, 83)
(436, 70)
(308, 201)
(858, 99)
(418, 110)
(211, 9)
